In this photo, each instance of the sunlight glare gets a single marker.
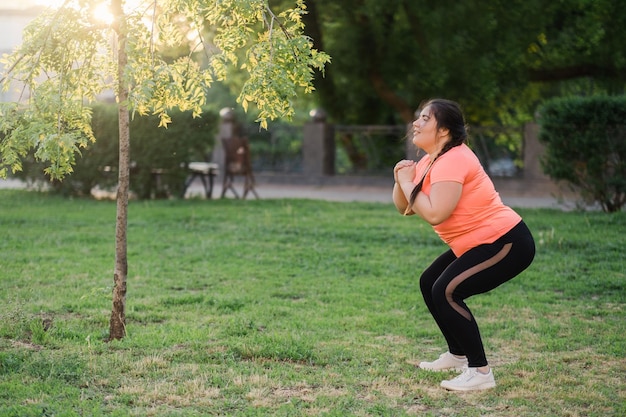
(101, 9)
(102, 12)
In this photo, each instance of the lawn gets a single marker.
(293, 308)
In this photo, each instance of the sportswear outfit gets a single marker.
(489, 245)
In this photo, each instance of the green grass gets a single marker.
(293, 308)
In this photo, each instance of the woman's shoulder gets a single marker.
(459, 162)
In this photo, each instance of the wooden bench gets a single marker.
(206, 171)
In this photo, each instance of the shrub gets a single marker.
(186, 139)
(585, 140)
(152, 148)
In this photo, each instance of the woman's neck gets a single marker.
(435, 151)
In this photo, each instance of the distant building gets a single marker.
(13, 20)
(12, 24)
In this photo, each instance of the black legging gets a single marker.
(450, 280)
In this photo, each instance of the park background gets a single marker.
(293, 307)
(500, 60)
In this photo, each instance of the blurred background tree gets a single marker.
(499, 58)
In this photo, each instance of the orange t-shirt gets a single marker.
(480, 216)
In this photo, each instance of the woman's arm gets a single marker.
(400, 200)
(436, 207)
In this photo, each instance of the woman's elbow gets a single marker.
(435, 218)
(403, 209)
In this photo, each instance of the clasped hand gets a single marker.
(404, 171)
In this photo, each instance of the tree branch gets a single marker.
(390, 97)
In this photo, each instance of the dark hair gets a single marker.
(449, 115)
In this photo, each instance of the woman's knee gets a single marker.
(438, 292)
(427, 281)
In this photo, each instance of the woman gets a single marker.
(489, 243)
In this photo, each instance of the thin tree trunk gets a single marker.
(117, 326)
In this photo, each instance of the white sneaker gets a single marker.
(470, 380)
(445, 362)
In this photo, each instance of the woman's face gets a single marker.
(425, 130)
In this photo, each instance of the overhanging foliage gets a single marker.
(67, 60)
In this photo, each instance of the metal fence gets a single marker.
(278, 149)
(371, 150)
(500, 149)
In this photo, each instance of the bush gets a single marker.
(152, 148)
(585, 140)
